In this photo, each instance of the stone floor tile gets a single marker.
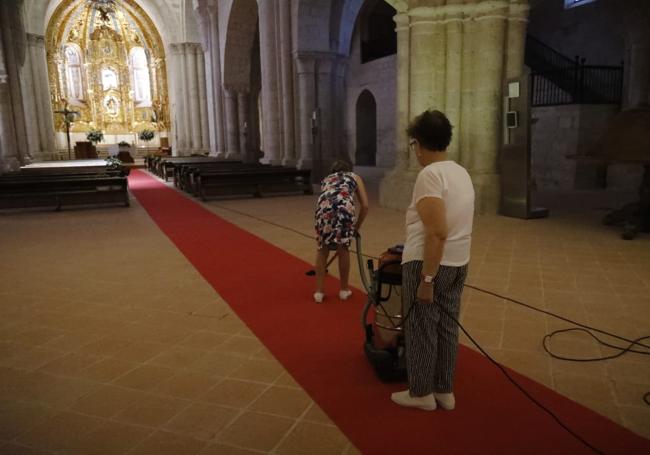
(256, 431)
(201, 421)
(258, 370)
(287, 402)
(187, 384)
(144, 377)
(165, 443)
(234, 393)
(107, 401)
(63, 432)
(152, 411)
(309, 438)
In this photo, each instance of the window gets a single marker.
(141, 82)
(573, 3)
(74, 81)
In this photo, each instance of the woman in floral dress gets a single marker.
(336, 222)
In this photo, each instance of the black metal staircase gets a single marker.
(558, 79)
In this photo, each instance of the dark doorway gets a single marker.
(366, 130)
(378, 36)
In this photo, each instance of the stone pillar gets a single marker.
(324, 151)
(395, 187)
(454, 37)
(488, 110)
(178, 97)
(203, 102)
(635, 17)
(305, 66)
(286, 65)
(244, 125)
(427, 69)
(194, 118)
(39, 106)
(270, 83)
(451, 57)
(232, 124)
(637, 67)
(217, 90)
(8, 152)
(13, 133)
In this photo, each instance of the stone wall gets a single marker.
(586, 30)
(560, 131)
(379, 78)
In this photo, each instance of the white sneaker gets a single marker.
(447, 401)
(426, 403)
(318, 297)
(344, 294)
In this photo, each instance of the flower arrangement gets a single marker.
(113, 163)
(146, 135)
(124, 144)
(95, 136)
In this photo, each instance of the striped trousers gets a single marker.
(431, 335)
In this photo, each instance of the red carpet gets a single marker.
(321, 346)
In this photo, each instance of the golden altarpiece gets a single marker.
(106, 61)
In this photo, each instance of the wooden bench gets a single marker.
(185, 175)
(57, 190)
(165, 166)
(254, 181)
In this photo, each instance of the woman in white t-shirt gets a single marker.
(434, 264)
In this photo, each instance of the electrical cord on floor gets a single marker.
(545, 340)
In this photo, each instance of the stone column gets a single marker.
(232, 124)
(451, 57)
(488, 110)
(305, 66)
(178, 95)
(244, 125)
(215, 53)
(427, 56)
(395, 187)
(203, 102)
(193, 96)
(637, 67)
(454, 36)
(270, 83)
(13, 133)
(286, 64)
(8, 152)
(324, 146)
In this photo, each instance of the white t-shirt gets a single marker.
(451, 183)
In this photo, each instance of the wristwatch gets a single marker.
(428, 279)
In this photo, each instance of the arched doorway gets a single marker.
(366, 152)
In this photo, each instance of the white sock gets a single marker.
(344, 294)
(318, 297)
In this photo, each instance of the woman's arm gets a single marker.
(432, 214)
(363, 202)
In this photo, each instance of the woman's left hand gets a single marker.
(425, 293)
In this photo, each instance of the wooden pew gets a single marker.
(57, 190)
(185, 175)
(254, 181)
(165, 166)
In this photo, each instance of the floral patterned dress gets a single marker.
(335, 215)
